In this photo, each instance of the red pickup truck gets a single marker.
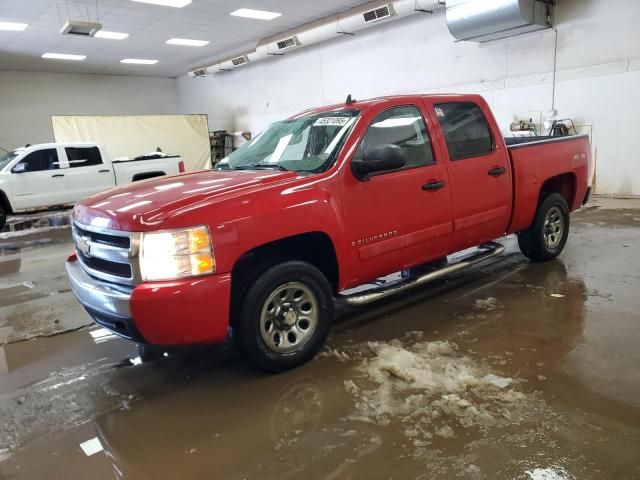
(328, 200)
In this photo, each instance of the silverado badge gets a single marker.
(374, 238)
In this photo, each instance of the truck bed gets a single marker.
(529, 139)
(143, 158)
(545, 157)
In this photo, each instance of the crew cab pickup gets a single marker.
(37, 177)
(328, 200)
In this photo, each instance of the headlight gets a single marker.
(172, 254)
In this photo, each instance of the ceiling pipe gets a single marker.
(346, 23)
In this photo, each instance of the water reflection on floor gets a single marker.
(514, 370)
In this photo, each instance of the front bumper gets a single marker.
(181, 312)
(107, 304)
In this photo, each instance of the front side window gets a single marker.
(83, 156)
(308, 143)
(403, 127)
(40, 160)
(465, 129)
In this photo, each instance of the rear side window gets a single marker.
(41, 160)
(404, 127)
(465, 130)
(83, 156)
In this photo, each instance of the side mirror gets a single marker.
(19, 168)
(378, 159)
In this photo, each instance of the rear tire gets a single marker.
(548, 234)
(285, 316)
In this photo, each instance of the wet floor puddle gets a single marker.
(490, 382)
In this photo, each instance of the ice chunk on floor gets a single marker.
(433, 390)
(487, 304)
(500, 382)
(5, 454)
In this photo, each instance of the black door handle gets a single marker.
(57, 175)
(497, 171)
(433, 185)
(104, 171)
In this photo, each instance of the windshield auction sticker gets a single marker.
(331, 122)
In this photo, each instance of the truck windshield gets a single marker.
(5, 159)
(308, 143)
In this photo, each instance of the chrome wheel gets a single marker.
(553, 227)
(289, 317)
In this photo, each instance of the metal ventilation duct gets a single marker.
(81, 28)
(346, 23)
(484, 21)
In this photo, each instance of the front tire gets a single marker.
(3, 217)
(285, 316)
(149, 353)
(548, 234)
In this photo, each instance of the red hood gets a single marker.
(143, 206)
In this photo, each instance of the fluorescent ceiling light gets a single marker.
(255, 14)
(166, 3)
(63, 56)
(187, 42)
(139, 61)
(17, 27)
(111, 35)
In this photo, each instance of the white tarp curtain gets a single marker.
(133, 135)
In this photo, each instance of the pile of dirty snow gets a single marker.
(433, 390)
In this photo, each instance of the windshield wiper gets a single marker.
(262, 166)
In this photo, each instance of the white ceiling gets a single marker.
(149, 27)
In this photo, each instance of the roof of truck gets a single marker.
(367, 103)
(59, 144)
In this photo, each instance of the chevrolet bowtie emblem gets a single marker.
(84, 246)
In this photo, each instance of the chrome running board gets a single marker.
(487, 251)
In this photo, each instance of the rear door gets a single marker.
(397, 218)
(479, 172)
(88, 173)
(39, 180)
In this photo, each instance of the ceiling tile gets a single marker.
(149, 27)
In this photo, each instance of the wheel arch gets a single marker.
(146, 175)
(563, 184)
(315, 247)
(4, 202)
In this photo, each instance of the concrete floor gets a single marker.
(513, 370)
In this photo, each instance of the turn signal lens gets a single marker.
(199, 240)
(202, 264)
(173, 254)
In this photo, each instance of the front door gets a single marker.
(38, 181)
(479, 172)
(402, 217)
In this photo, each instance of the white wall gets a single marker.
(598, 81)
(29, 99)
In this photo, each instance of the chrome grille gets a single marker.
(105, 239)
(117, 269)
(110, 255)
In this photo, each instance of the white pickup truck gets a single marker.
(38, 177)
